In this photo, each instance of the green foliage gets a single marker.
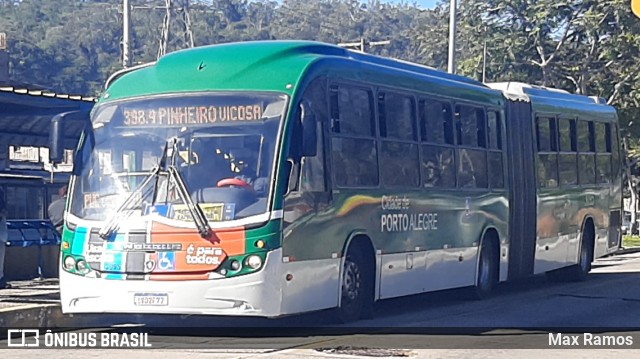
(584, 46)
(630, 241)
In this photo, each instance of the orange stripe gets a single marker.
(231, 240)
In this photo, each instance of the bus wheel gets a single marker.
(578, 272)
(356, 294)
(487, 277)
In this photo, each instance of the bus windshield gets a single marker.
(222, 146)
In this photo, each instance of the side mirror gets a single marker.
(56, 140)
(309, 130)
(56, 134)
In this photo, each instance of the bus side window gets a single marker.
(603, 148)
(472, 140)
(399, 148)
(547, 164)
(615, 153)
(495, 159)
(353, 143)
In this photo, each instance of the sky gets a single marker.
(426, 4)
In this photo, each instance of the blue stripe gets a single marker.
(114, 244)
(79, 241)
(115, 276)
(119, 257)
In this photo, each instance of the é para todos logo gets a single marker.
(31, 338)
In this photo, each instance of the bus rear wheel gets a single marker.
(578, 272)
(487, 273)
(356, 295)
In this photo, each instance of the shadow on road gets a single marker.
(439, 303)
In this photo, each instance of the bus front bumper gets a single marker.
(256, 294)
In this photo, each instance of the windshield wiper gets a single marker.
(183, 192)
(194, 209)
(134, 199)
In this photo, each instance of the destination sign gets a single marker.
(190, 115)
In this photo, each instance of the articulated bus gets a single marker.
(280, 177)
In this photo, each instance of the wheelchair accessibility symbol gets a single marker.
(166, 261)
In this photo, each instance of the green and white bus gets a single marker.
(280, 177)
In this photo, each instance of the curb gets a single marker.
(26, 316)
(50, 316)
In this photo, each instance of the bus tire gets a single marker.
(578, 272)
(356, 288)
(487, 273)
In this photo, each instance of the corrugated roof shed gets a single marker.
(26, 113)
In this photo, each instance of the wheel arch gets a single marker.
(365, 243)
(588, 223)
(490, 233)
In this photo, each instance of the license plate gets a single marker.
(151, 299)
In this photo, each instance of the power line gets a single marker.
(176, 14)
(363, 44)
(306, 16)
(185, 35)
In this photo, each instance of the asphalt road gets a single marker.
(437, 325)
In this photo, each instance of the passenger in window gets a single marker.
(447, 169)
(351, 160)
(369, 166)
(210, 169)
(466, 173)
(244, 163)
(352, 171)
(56, 209)
(431, 174)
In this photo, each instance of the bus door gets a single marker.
(307, 191)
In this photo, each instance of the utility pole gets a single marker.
(484, 62)
(363, 44)
(176, 17)
(484, 56)
(4, 58)
(452, 37)
(126, 35)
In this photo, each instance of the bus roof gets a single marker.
(254, 65)
(557, 101)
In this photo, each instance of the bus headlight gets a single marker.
(69, 263)
(254, 261)
(82, 266)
